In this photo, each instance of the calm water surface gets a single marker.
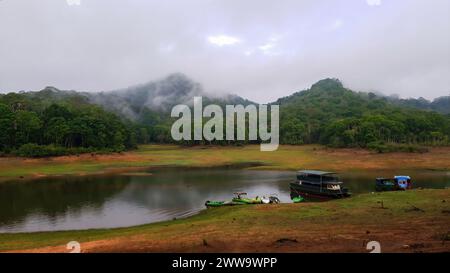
(68, 203)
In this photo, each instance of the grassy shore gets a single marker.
(412, 221)
(401, 221)
(285, 158)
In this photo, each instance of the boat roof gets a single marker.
(316, 172)
(323, 182)
(402, 177)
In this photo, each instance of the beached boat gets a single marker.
(298, 199)
(257, 200)
(398, 183)
(222, 203)
(318, 185)
(240, 200)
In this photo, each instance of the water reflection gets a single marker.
(125, 200)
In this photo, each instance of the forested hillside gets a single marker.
(330, 114)
(441, 104)
(54, 122)
(149, 105)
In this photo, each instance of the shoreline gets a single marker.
(141, 171)
(335, 226)
(349, 222)
(289, 158)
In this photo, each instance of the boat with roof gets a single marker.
(318, 185)
(398, 183)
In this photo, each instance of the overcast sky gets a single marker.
(259, 49)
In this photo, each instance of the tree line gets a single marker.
(332, 115)
(57, 123)
(37, 128)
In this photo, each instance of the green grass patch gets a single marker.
(362, 209)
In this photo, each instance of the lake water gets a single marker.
(68, 203)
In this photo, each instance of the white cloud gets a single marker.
(373, 2)
(223, 40)
(333, 25)
(336, 24)
(269, 47)
(248, 52)
(167, 48)
(73, 2)
(142, 44)
(266, 47)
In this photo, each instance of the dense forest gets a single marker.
(54, 122)
(441, 104)
(33, 126)
(330, 114)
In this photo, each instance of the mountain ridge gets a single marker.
(326, 113)
(177, 88)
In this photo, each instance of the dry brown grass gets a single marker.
(285, 158)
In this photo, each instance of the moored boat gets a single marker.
(398, 183)
(318, 185)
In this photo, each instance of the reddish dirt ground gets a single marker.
(409, 237)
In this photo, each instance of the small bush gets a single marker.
(35, 150)
(32, 150)
(381, 147)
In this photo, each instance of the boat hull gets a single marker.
(316, 195)
(247, 201)
(383, 187)
(387, 188)
(215, 204)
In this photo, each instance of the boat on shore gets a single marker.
(239, 199)
(398, 183)
(212, 204)
(318, 185)
(298, 199)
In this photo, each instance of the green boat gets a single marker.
(298, 199)
(214, 204)
(239, 200)
(248, 201)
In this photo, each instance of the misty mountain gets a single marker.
(158, 97)
(326, 113)
(441, 104)
(136, 103)
(334, 88)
